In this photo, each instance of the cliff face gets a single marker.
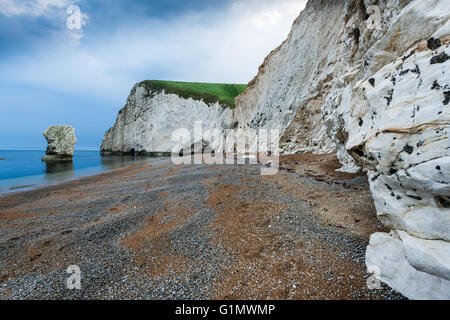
(300, 84)
(149, 118)
(380, 98)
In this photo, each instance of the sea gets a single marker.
(23, 169)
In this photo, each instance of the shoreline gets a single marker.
(62, 183)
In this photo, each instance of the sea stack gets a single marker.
(61, 142)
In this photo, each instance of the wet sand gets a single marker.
(153, 230)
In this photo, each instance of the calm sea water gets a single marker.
(21, 170)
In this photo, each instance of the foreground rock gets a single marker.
(399, 130)
(61, 142)
(382, 96)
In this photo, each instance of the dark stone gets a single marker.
(433, 43)
(446, 97)
(441, 58)
(435, 85)
(393, 171)
(356, 33)
(393, 80)
(407, 56)
(359, 151)
(445, 202)
(408, 149)
(372, 82)
(438, 168)
(416, 70)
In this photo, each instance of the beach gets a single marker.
(153, 230)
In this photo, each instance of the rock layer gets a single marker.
(380, 99)
(61, 141)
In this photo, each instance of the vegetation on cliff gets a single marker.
(208, 92)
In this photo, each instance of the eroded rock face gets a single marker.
(380, 99)
(61, 142)
(398, 120)
(145, 125)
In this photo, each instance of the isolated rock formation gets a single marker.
(146, 123)
(61, 142)
(382, 96)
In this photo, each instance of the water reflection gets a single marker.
(63, 170)
(25, 168)
(55, 170)
(115, 162)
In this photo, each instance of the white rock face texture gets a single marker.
(61, 141)
(145, 125)
(380, 99)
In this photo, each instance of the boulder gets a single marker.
(378, 97)
(61, 142)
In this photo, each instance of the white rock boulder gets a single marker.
(61, 142)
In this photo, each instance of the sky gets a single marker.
(51, 73)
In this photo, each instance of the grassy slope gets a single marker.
(208, 92)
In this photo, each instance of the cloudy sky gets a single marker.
(51, 74)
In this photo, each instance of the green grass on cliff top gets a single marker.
(208, 92)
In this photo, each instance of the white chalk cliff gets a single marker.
(146, 123)
(379, 97)
(382, 96)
